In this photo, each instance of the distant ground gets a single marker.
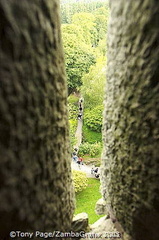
(92, 161)
(83, 168)
(86, 200)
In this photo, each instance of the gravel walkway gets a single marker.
(83, 168)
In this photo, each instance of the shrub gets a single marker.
(73, 99)
(73, 126)
(73, 111)
(84, 149)
(80, 180)
(95, 149)
(93, 118)
(93, 161)
(91, 149)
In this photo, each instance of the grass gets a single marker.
(91, 136)
(86, 200)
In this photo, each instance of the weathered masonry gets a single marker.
(131, 127)
(35, 175)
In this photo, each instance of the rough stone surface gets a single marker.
(105, 229)
(80, 222)
(130, 161)
(101, 207)
(101, 224)
(35, 174)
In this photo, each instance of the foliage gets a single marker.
(73, 126)
(69, 8)
(73, 140)
(93, 84)
(78, 55)
(95, 149)
(86, 200)
(87, 23)
(101, 50)
(91, 136)
(85, 30)
(73, 111)
(101, 18)
(92, 161)
(93, 118)
(91, 149)
(84, 149)
(80, 180)
(73, 100)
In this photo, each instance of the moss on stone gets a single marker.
(131, 127)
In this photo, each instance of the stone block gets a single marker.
(80, 222)
(100, 208)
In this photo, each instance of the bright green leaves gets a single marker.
(83, 39)
(93, 118)
(90, 149)
(94, 84)
(78, 55)
(87, 22)
(80, 180)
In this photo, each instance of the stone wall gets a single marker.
(35, 176)
(130, 175)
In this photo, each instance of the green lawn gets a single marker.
(86, 200)
(91, 136)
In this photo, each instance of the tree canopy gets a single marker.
(84, 40)
(79, 56)
(93, 84)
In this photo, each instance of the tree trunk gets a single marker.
(130, 175)
(35, 174)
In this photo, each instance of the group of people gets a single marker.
(79, 160)
(95, 172)
(80, 109)
(76, 159)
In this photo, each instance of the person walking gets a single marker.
(74, 156)
(79, 163)
(81, 160)
(79, 116)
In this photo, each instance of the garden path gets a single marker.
(78, 135)
(83, 168)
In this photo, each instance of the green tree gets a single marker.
(93, 118)
(78, 55)
(93, 84)
(101, 19)
(69, 8)
(87, 22)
